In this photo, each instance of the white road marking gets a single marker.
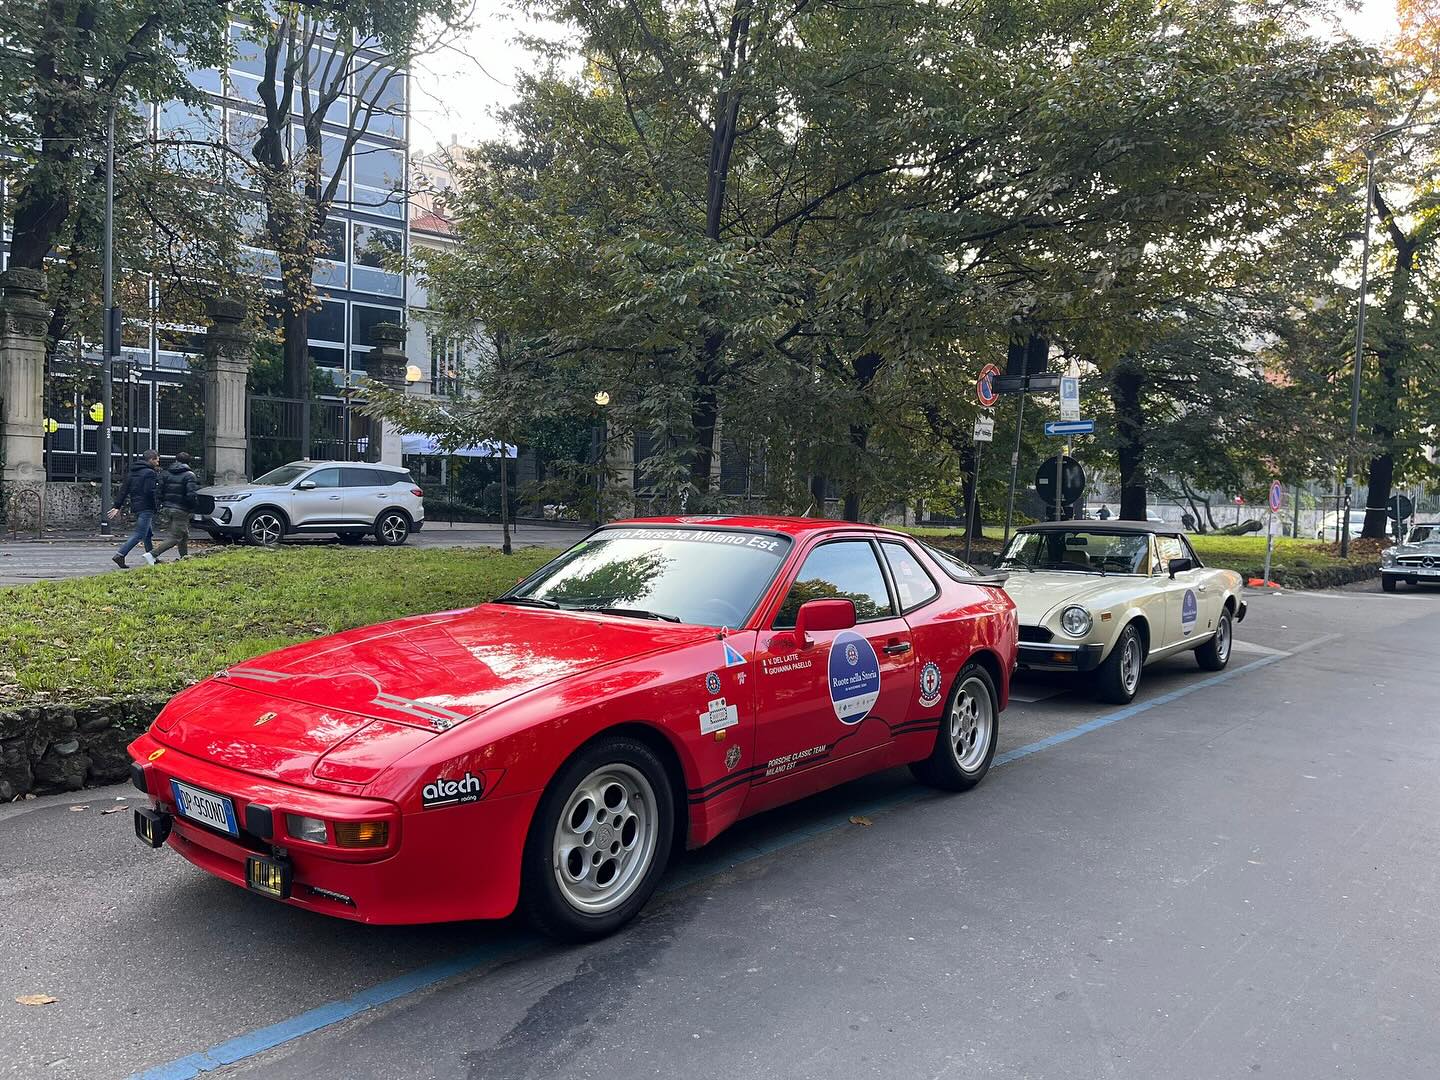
(1250, 646)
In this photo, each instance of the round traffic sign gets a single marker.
(1277, 496)
(1401, 507)
(985, 385)
(1072, 480)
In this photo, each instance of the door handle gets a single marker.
(333, 498)
(897, 648)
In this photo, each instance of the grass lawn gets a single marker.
(154, 631)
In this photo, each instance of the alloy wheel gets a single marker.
(972, 724)
(605, 839)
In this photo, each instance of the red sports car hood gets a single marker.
(399, 683)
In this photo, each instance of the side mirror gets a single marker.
(305, 485)
(1179, 566)
(836, 614)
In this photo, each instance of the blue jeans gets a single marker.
(142, 532)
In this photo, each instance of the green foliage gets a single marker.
(155, 631)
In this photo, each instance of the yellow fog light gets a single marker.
(268, 876)
(361, 834)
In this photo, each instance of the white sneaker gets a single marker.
(149, 559)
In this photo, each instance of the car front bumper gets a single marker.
(1412, 573)
(433, 869)
(1058, 656)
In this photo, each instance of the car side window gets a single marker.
(843, 569)
(1190, 552)
(913, 585)
(1169, 548)
(325, 478)
(366, 478)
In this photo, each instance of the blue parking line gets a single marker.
(423, 978)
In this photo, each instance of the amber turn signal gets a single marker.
(362, 833)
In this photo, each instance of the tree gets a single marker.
(325, 75)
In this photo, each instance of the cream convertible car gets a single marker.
(1110, 597)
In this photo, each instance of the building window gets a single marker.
(378, 173)
(445, 370)
(377, 251)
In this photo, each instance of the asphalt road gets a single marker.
(1236, 876)
(26, 561)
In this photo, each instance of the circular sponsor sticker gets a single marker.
(854, 672)
(712, 682)
(930, 680)
(1189, 612)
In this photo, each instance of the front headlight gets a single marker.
(305, 828)
(1387, 557)
(1076, 621)
(241, 497)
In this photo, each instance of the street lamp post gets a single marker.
(602, 399)
(110, 344)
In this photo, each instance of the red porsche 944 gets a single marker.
(655, 683)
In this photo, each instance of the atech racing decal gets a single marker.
(854, 677)
(930, 685)
(444, 792)
(1189, 612)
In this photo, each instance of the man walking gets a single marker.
(176, 498)
(139, 491)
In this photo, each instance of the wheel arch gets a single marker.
(990, 661)
(396, 508)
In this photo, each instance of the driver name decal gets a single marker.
(1189, 613)
(854, 677)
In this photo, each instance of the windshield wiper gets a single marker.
(633, 613)
(1016, 562)
(527, 601)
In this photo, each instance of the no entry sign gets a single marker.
(985, 386)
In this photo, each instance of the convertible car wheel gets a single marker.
(599, 842)
(969, 732)
(1117, 679)
(1215, 653)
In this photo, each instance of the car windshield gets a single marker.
(1078, 550)
(286, 474)
(1424, 534)
(705, 577)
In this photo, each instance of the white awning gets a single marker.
(428, 446)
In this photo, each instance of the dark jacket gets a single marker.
(177, 487)
(139, 488)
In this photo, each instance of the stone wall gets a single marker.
(72, 506)
(50, 748)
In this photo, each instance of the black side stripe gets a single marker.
(727, 778)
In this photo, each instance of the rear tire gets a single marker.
(1389, 582)
(599, 842)
(969, 732)
(1118, 678)
(1215, 653)
(392, 528)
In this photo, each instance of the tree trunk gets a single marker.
(970, 490)
(1393, 353)
(817, 495)
(1125, 385)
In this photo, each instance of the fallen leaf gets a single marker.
(78, 809)
(112, 810)
(36, 999)
(858, 820)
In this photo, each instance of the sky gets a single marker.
(457, 86)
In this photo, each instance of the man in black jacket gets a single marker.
(176, 498)
(139, 491)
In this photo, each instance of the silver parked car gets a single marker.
(351, 499)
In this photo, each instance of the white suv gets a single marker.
(351, 499)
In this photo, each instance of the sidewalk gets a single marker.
(78, 554)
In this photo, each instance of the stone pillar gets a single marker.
(23, 322)
(386, 364)
(228, 352)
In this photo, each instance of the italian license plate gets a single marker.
(205, 807)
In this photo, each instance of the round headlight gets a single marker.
(1387, 557)
(1076, 621)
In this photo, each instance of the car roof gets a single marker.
(1095, 525)
(343, 464)
(789, 526)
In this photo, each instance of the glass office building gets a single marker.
(157, 394)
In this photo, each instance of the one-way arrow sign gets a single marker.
(1069, 427)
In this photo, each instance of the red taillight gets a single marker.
(417, 493)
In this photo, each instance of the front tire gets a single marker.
(392, 528)
(264, 527)
(969, 732)
(1215, 653)
(599, 842)
(1389, 582)
(1118, 678)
